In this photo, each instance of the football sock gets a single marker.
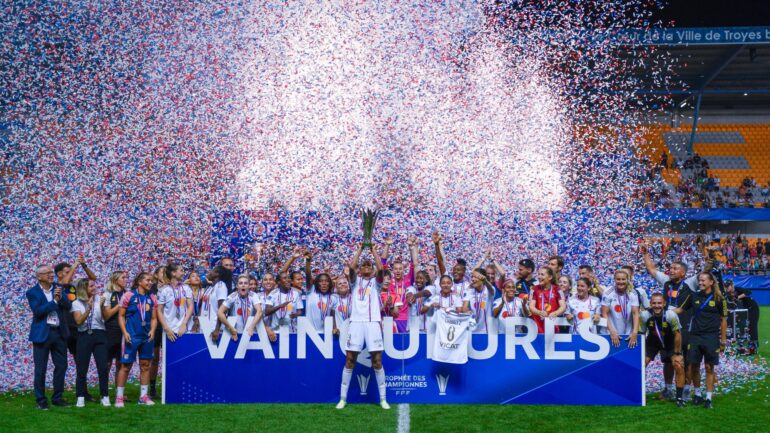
(347, 374)
(380, 375)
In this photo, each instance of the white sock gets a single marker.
(687, 388)
(380, 375)
(697, 392)
(143, 390)
(120, 390)
(347, 374)
(708, 395)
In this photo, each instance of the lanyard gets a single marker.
(290, 298)
(702, 306)
(345, 304)
(542, 299)
(325, 304)
(526, 286)
(196, 302)
(657, 330)
(674, 302)
(510, 307)
(89, 321)
(245, 308)
(450, 300)
(142, 307)
(624, 306)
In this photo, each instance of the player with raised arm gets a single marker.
(365, 329)
(459, 281)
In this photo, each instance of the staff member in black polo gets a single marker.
(664, 337)
(48, 335)
(708, 333)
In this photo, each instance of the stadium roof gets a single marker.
(725, 75)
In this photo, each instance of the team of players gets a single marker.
(683, 325)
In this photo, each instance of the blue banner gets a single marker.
(306, 368)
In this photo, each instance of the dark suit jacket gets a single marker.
(40, 306)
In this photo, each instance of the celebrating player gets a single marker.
(478, 299)
(242, 304)
(508, 307)
(175, 299)
(620, 306)
(416, 296)
(583, 307)
(546, 300)
(365, 329)
(137, 319)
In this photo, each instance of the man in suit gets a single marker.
(48, 335)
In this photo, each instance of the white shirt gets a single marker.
(283, 315)
(366, 301)
(53, 318)
(319, 306)
(241, 308)
(174, 305)
(95, 318)
(210, 298)
(460, 288)
(451, 302)
(414, 309)
(583, 311)
(480, 303)
(511, 309)
(620, 310)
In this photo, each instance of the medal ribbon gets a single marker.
(245, 307)
(142, 306)
(657, 331)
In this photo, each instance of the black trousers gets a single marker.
(753, 324)
(88, 344)
(55, 347)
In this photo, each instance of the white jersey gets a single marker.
(209, 301)
(414, 309)
(511, 309)
(480, 303)
(450, 302)
(620, 307)
(173, 303)
(644, 300)
(318, 307)
(342, 308)
(367, 304)
(583, 311)
(460, 288)
(282, 317)
(94, 320)
(450, 344)
(241, 308)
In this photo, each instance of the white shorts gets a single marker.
(365, 334)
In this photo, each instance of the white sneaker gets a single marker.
(119, 401)
(81, 402)
(106, 401)
(341, 404)
(384, 404)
